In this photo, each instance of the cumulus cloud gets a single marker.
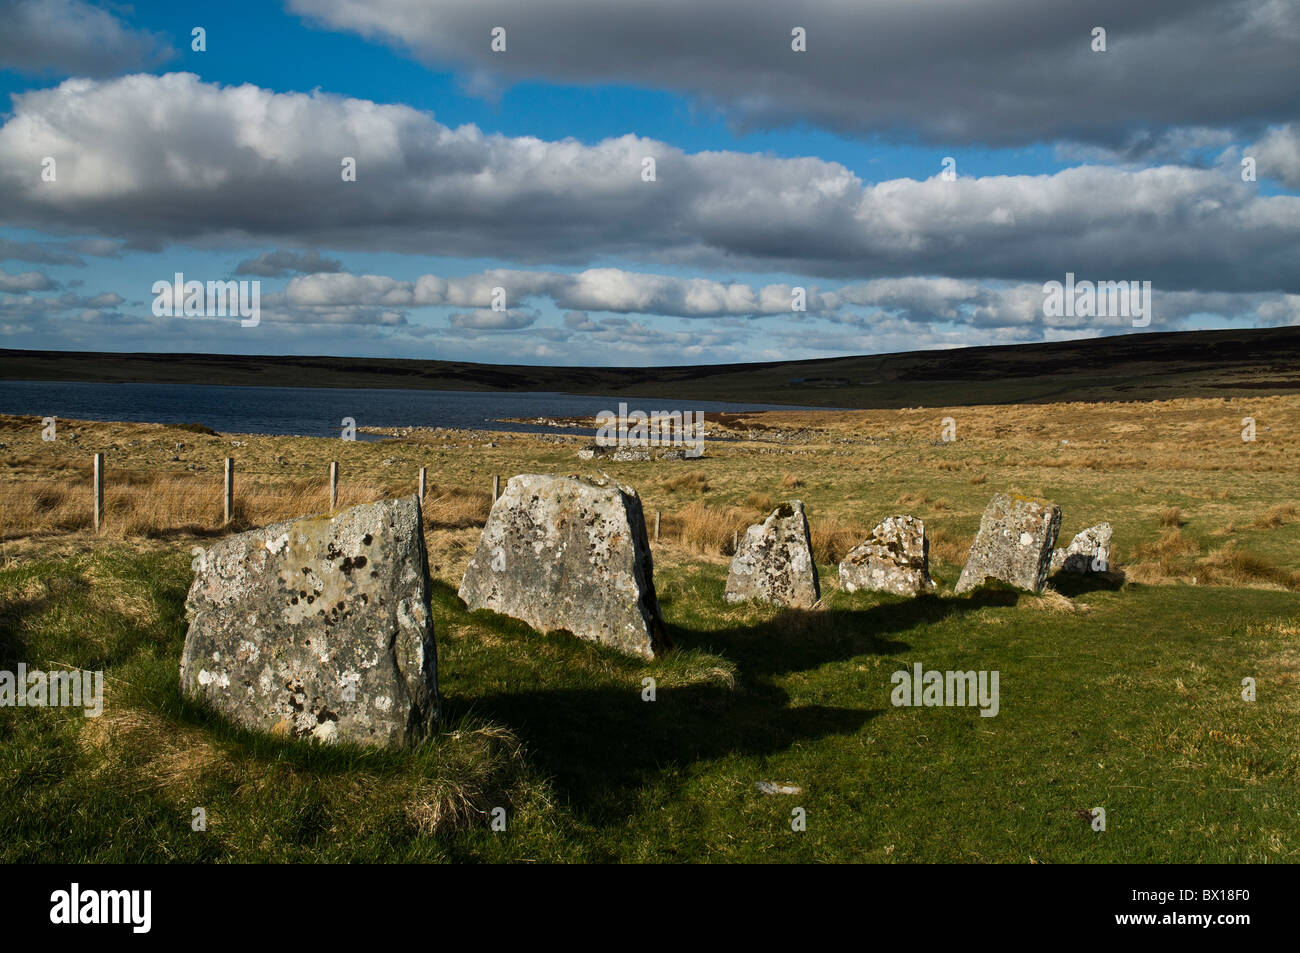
(278, 263)
(918, 300)
(1004, 72)
(27, 281)
(1277, 155)
(65, 37)
(485, 319)
(18, 308)
(58, 253)
(149, 159)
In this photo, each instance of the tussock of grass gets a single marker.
(947, 547)
(1050, 600)
(1278, 515)
(1171, 516)
(832, 538)
(707, 529)
(455, 507)
(1229, 566)
(694, 481)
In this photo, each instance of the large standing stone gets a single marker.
(1089, 551)
(569, 553)
(318, 628)
(1014, 543)
(774, 561)
(894, 558)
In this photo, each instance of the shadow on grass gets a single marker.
(14, 613)
(1074, 584)
(599, 744)
(797, 640)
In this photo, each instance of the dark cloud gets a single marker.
(70, 37)
(1002, 72)
(278, 263)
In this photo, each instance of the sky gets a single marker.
(638, 183)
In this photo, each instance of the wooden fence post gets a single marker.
(496, 487)
(657, 515)
(99, 490)
(229, 496)
(334, 485)
(422, 474)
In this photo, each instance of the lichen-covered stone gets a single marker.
(569, 553)
(774, 561)
(1014, 543)
(1089, 551)
(894, 558)
(318, 628)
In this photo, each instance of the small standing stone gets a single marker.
(774, 561)
(894, 558)
(1089, 551)
(1014, 544)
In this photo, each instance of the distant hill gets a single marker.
(1122, 367)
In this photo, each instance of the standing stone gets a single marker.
(318, 628)
(569, 553)
(1014, 543)
(894, 558)
(774, 562)
(1089, 551)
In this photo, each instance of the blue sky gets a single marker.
(817, 169)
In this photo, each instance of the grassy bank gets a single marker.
(1127, 700)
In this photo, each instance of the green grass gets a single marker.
(1130, 700)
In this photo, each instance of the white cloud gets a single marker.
(1277, 155)
(26, 281)
(151, 159)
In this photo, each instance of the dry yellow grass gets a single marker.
(833, 537)
(1278, 515)
(945, 547)
(1229, 566)
(707, 529)
(1129, 463)
(694, 481)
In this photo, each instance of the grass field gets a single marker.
(1122, 695)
